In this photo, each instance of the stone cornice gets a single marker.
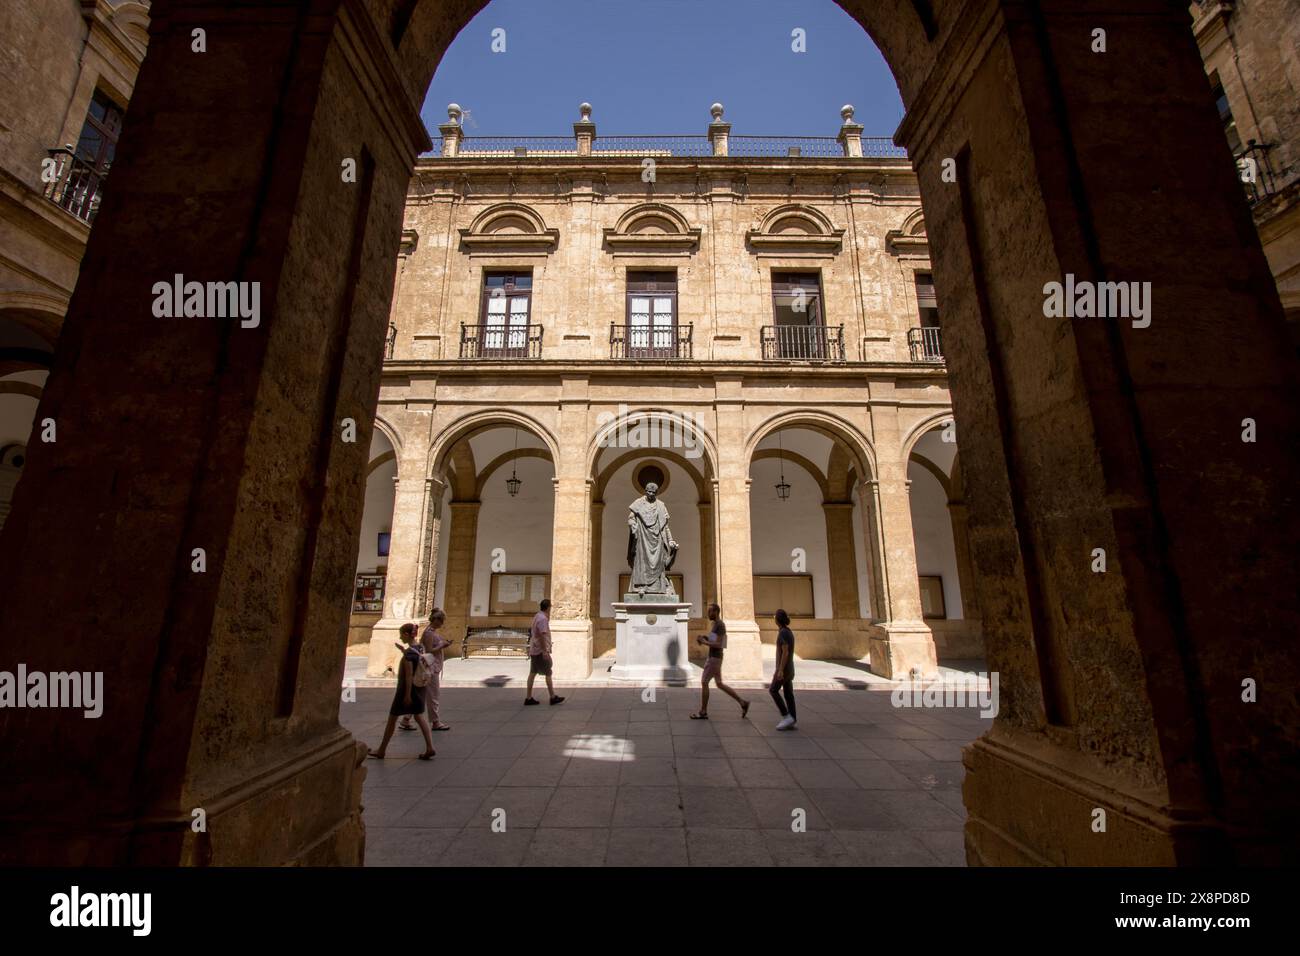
(597, 369)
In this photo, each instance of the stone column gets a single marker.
(708, 556)
(410, 512)
(843, 561)
(1085, 433)
(903, 643)
(597, 539)
(201, 472)
(970, 601)
(462, 541)
(744, 657)
(571, 628)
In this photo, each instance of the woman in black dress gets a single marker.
(409, 698)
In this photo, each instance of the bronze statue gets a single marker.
(651, 549)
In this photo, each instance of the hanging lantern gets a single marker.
(783, 487)
(513, 482)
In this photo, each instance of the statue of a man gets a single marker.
(651, 549)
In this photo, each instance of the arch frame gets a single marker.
(466, 425)
(835, 427)
(599, 439)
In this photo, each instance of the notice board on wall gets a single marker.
(517, 593)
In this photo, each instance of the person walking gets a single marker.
(783, 675)
(539, 653)
(716, 641)
(435, 646)
(412, 677)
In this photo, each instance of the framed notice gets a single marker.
(932, 605)
(368, 594)
(793, 592)
(517, 593)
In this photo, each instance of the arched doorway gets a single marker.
(1077, 434)
(665, 448)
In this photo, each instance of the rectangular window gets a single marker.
(799, 326)
(651, 314)
(98, 142)
(797, 298)
(507, 306)
(927, 303)
(1225, 113)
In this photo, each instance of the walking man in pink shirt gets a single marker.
(539, 653)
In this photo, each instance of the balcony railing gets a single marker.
(505, 146)
(75, 186)
(646, 344)
(652, 146)
(1256, 171)
(819, 343)
(500, 341)
(925, 345)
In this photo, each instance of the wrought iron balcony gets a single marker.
(75, 186)
(925, 345)
(1256, 172)
(500, 341)
(646, 344)
(818, 343)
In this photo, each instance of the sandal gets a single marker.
(429, 756)
(376, 754)
(699, 716)
(442, 727)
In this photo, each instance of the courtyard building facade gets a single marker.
(1249, 49)
(749, 323)
(69, 72)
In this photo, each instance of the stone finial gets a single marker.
(850, 137)
(584, 131)
(719, 131)
(453, 113)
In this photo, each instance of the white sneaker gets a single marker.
(786, 723)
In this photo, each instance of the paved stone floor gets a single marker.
(608, 778)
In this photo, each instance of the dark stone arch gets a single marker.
(238, 448)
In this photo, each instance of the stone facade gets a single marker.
(1250, 49)
(1037, 158)
(57, 55)
(581, 224)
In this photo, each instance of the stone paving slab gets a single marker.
(609, 779)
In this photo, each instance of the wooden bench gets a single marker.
(508, 641)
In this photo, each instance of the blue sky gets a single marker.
(654, 66)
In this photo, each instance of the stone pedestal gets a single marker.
(652, 640)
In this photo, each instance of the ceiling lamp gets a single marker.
(783, 487)
(513, 482)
